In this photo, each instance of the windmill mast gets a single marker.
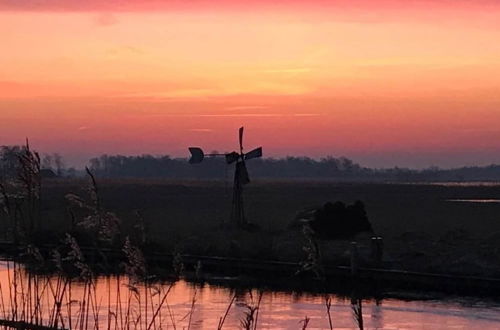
(241, 177)
(238, 211)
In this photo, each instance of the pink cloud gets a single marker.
(139, 5)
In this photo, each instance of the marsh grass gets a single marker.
(48, 301)
(69, 297)
(20, 197)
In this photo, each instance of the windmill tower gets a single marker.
(241, 177)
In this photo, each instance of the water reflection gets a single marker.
(474, 200)
(202, 307)
(376, 315)
(456, 183)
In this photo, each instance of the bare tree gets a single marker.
(58, 163)
(47, 161)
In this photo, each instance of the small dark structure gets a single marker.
(47, 173)
(338, 220)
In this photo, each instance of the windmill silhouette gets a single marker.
(241, 177)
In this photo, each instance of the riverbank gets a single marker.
(422, 230)
(202, 305)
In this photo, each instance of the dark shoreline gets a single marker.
(374, 283)
(429, 244)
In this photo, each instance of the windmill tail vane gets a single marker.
(241, 176)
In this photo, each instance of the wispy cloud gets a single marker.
(196, 93)
(248, 107)
(478, 130)
(233, 115)
(241, 115)
(201, 130)
(124, 49)
(258, 115)
(106, 19)
(175, 93)
(307, 114)
(288, 70)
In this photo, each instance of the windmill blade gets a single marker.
(197, 155)
(242, 173)
(255, 153)
(241, 139)
(232, 157)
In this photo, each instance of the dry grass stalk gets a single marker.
(313, 262)
(328, 305)
(222, 319)
(30, 179)
(357, 312)
(20, 196)
(305, 322)
(103, 226)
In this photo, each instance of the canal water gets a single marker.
(113, 302)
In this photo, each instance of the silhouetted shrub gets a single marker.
(336, 220)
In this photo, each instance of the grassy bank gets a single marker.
(422, 230)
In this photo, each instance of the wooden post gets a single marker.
(377, 250)
(354, 258)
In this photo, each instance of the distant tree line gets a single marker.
(147, 166)
(54, 163)
(343, 169)
(167, 167)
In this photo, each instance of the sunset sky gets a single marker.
(385, 83)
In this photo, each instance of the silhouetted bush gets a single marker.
(336, 220)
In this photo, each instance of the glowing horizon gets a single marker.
(383, 84)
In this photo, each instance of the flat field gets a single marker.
(422, 228)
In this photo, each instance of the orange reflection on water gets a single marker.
(278, 310)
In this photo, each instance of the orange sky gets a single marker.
(383, 83)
